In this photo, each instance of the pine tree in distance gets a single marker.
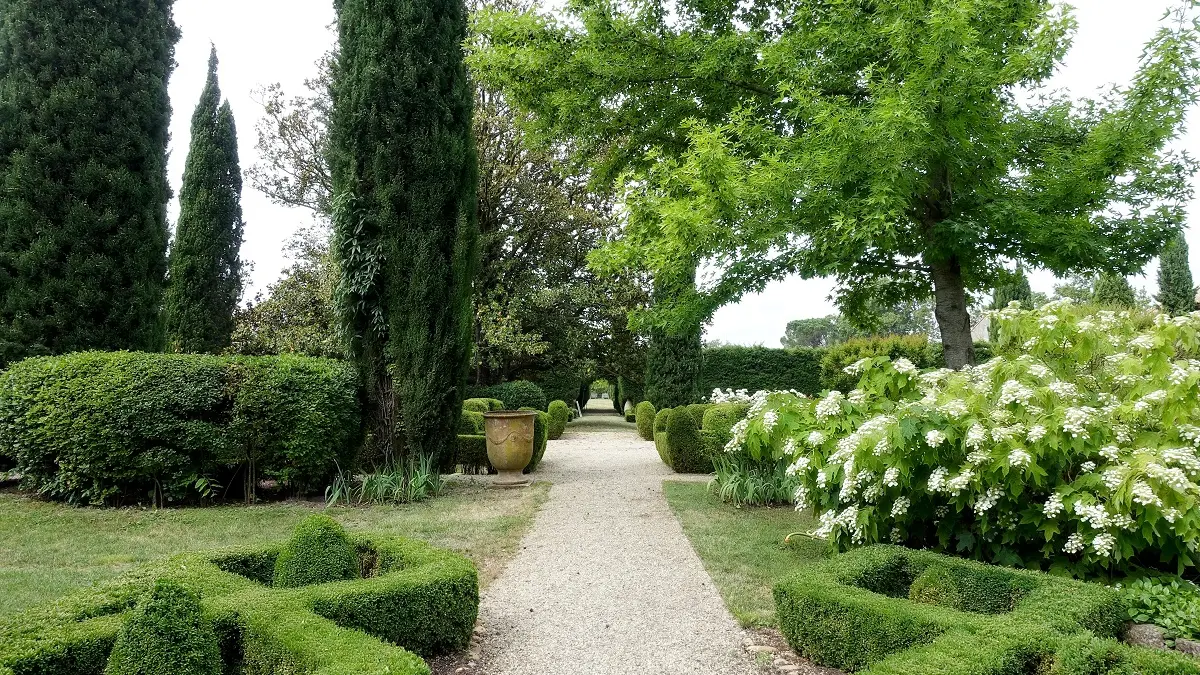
(1176, 289)
(1113, 290)
(1013, 287)
(204, 282)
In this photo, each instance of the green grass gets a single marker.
(48, 550)
(742, 548)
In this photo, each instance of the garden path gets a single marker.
(606, 582)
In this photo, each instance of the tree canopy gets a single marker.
(880, 143)
(906, 318)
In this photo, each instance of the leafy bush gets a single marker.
(915, 348)
(414, 599)
(683, 445)
(852, 612)
(166, 634)
(1170, 603)
(716, 429)
(660, 435)
(318, 551)
(517, 395)
(479, 405)
(1071, 449)
(560, 414)
(99, 427)
(541, 434)
(644, 415)
(761, 369)
(630, 393)
(472, 454)
(471, 423)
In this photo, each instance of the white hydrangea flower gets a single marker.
(954, 408)
(1103, 544)
(1063, 390)
(935, 438)
(1074, 544)
(891, 477)
(1053, 506)
(1013, 391)
(769, 420)
(857, 397)
(904, 367)
(858, 367)
(937, 479)
(1171, 514)
(976, 436)
(800, 497)
(801, 465)
(1110, 452)
(1019, 457)
(900, 506)
(1141, 343)
(829, 406)
(1036, 433)
(1088, 466)
(1076, 420)
(988, 501)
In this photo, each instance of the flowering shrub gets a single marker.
(1074, 448)
(729, 396)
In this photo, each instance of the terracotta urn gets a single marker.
(510, 444)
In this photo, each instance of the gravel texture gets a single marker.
(606, 582)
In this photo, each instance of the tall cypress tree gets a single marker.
(405, 232)
(204, 281)
(1113, 290)
(84, 117)
(673, 358)
(1176, 289)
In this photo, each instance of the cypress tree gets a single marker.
(1013, 287)
(204, 281)
(405, 231)
(1113, 290)
(673, 358)
(1176, 290)
(84, 117)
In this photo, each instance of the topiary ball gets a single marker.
(560, 414)
(643, 416)
(166, 634)
(319, 551)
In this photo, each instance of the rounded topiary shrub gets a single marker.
(684, 447)
(560, 414)
(318, 552)
(541, 434)
(471, 423)
(644, 415)
(517, 395)
(479, 405)
(717, 427)
(166, 634)
(660, 435)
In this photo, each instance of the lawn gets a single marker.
(742, 548)
(47, 550)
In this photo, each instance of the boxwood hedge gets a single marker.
(112, 427)
(413, 600)
(885, 610)
(560, 414)
(643, 416)
(761, 368)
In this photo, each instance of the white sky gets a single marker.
(264, 41)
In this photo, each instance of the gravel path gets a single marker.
(606, 582)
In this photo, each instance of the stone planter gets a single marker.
(510, 444)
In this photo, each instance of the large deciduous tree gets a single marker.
(1176, 289)
(84, 117)
(879, 142)
(204, 279)
(405, 232)
(673, 357)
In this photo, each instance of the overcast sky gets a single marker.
(264, 41)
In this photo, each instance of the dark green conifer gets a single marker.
(204, 281)
(1013, 287)
(1114, 291)
(1176, 289)
(405, 232)
(673, 358)
(84, 117)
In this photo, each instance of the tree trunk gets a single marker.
(950, 308)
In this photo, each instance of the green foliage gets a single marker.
(907, 318)
(319, 551)
(660, 435)
(911, 178)
(673, 359)
(84, 122)
(541, 434)
(630, 393)
(853, 613)
(644, 415)
(1073, 449)
(1010, 287)
(743, 481)
(414, 599)
(472, 454)
(166, 634)
(560, 414)
(205, 268)
(1091, 656)
(683, 445)
(915, 348)
(761, 369)
(404, 174)
(413, 480)
(1170, 603)
(1114, 292)
(1176, 288)
(716, 427)
(559, 386)
(101, 427)
(517, 395)
(471, 423)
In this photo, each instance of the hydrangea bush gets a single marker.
(1073, 449)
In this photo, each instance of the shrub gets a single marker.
(1091, 656)
(853, 613)
(916, 348)
(517, 395)
(630, 393)
(478, 405)
(761, 369)
(697, 410)
(413, 597)
(1170, 603)
(166, 634)
(319, 551)
(541, 429)
(644, 415)
(560, 414)
(683, 444)
(660, 435)
(630, 412)
(471, 423)
(559, 385)
(472, 454)
(716, 428)
(99, 427)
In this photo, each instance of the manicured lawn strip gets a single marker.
(48, 550)
(743, 549)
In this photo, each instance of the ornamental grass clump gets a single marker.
(1073, 449)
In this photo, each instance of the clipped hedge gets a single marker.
(472, 454)
(854, 612)
(716, 428)
(318, 552)
(112, 427)
(471, 423)
(166, 634)
(760, 368)
(643, 416)
(482, 405)
(677, 439)
(660, 435)
(560, 414)
(516, 395)
(414, 601)
(541, 434)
